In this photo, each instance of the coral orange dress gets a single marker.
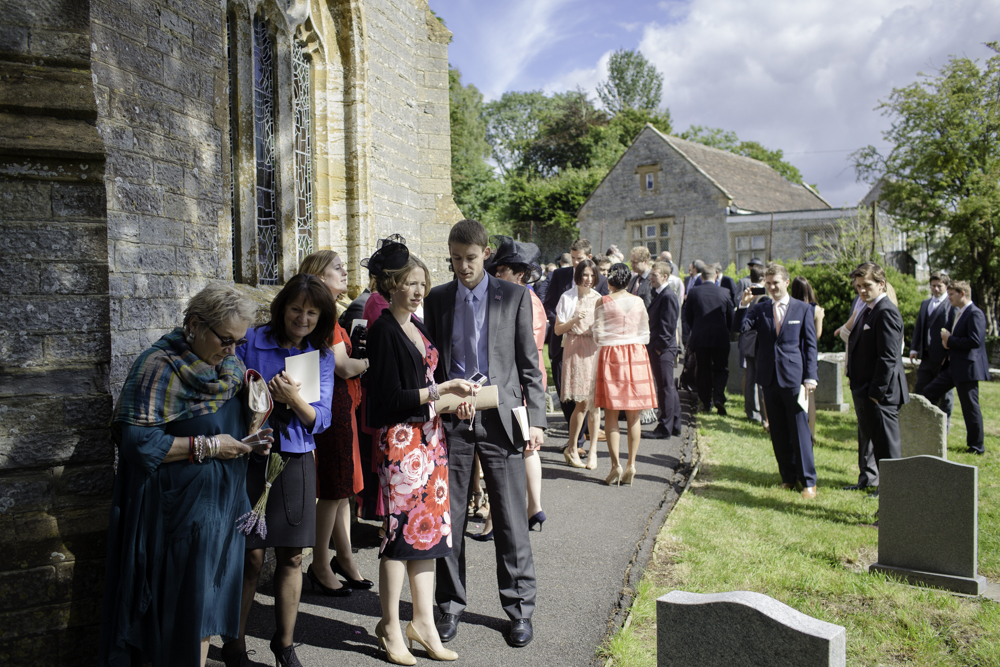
(623, 378)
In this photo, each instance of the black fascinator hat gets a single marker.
(391, 254)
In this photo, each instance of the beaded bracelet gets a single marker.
(432, 391)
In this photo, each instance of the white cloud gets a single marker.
(801, 76)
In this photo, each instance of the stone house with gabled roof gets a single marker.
(703, 203)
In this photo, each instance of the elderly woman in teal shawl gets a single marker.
(175, 559)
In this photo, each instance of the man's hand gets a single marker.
(747, 297)
(536, 437)
(945, 335)
(913, 356)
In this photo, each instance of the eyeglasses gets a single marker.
(226, 342)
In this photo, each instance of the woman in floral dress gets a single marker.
(412, 454)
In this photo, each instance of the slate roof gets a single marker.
(751, 184)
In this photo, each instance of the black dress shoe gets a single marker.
(521, 633)
(447, 626)
(721, 409)
(970, 450)
(658, 433)
(856, 487)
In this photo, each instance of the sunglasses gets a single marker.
(226, 342)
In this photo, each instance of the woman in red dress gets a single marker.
(624, 379)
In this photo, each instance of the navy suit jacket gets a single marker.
(663, 312)
(708, 313)
(926, 340)
(788, 357)
(874, 361)
(967, 358)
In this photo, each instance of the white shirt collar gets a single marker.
(784, 301)
(661, 288)
(962, 310)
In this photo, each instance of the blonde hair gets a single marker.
(219, 304)
(641, 254)
(389, 280)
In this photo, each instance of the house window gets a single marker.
(819, 245)
(654, 234)
(650, 180)
(748, 247)
(301, 94)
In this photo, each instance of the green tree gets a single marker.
(470, 173)
(941, 174)
(633, 83)
(727, 140)
(562, 140)
(512, 123)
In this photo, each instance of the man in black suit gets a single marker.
(639, 285)
(562, 280)
(786, 361)
(482, 324)
(708, 312)
(936, 313)
(966, 363)
(727, 282)
(663, 312)
(875, 365)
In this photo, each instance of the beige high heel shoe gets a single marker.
(614, 479)
(406, 659)
(445, 654)
(573, 460)
(629, 475)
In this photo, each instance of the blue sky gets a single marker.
(804, 76)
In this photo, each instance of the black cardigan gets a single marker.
(396, 374)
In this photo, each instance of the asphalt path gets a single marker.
(588, 557)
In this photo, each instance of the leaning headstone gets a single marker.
(830, 384)
(928, 523)
(923, 429)
(740, 629)
(734, 385)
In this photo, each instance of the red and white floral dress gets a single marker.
(413, 481)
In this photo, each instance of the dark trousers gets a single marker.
(753, 394)
(867, 466)
(506, 483)
(712, 374)
(968, 396)
(669, 412)
(790, 435)
(877, 423)
(926, 375)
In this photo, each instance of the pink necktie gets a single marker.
(777, 318)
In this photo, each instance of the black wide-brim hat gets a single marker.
(391, 255)
(510, 252)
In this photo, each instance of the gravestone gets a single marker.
(830, 384)
(740, 629)
(923, 429)
(928, 523)
(734, 385)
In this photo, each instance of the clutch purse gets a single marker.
(259, 400)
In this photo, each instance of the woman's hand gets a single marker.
(284, 389)
(465, 410)
(460, 388)
(230, 447)
(260, 442)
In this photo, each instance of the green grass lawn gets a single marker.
(736, 529)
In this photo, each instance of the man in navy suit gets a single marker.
(875, 365)
(936, 313)
(663, 311)
(786, 361)
(562, 280)
(708, 313)
(966, 363)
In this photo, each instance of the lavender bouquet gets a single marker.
(253, 521)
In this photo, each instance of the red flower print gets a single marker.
(400, 439)
(437, 491)
(423, 529)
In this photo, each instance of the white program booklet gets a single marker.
(521, 417)
(803, 398)
(304, 368)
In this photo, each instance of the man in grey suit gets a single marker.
(484, 325)
(936, 313)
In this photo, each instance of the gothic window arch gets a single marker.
(270, 140)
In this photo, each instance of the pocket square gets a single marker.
(796, 322)
(866, 328)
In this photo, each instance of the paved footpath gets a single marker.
(592, 549)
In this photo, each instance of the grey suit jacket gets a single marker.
(513, 357)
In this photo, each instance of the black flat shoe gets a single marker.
(447, 626)
(521, 633)
(332, 592)
(360, 584)
(484, 537)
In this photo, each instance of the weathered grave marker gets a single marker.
(923, 428)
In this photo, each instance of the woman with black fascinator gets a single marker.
(412, 454)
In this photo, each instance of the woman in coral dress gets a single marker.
(574, 319)
(412, 455)
(624, 379)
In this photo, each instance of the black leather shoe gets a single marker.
(521, 633)
(856, 487)
(447, 626)
(658, 433)
(721, 409)
(970, 450)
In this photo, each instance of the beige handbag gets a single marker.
(258, 400)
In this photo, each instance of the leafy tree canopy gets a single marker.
(512, 123)
(633, 83)
(941, 174)
(728, 141)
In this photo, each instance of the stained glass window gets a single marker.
(263, 112)
(301, 95)
(231, 68)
